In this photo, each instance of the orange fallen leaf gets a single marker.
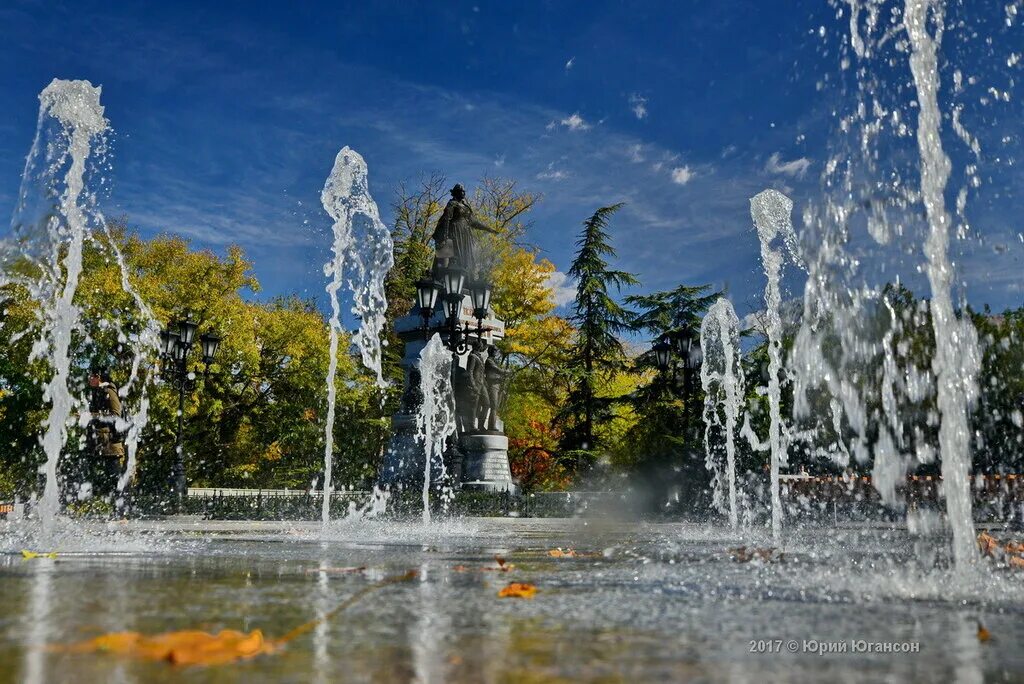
(460, 568)
(502, 565)
(988, 544)
(187, 647)
(1016, 562)
(983, 634)
(194, 647)
(518, 590)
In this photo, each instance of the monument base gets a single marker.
(485, 462)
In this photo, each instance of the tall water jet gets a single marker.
(860, 321)
(721, 377)
(956, 342)
(363, 253)
(56, 216)
(770, 211)
(53, 217)
(435, 417)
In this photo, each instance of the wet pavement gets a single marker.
(638, 602)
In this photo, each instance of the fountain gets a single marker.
(721, 376)
(435, 417)
(363, 255)
(771, 211)
(51, 225)
(657, 600)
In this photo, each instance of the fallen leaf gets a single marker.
(502, 566)
(983, 634)
(193, 647)
(571, 553)
(29, 555)
(741, 554)
(460, 568)
(187, 647)
(988, 544)
(1016, 562)
(518, 590)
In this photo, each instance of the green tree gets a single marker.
(597, 352)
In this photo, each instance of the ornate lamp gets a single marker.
(480, 291)
(180, 351)
(168, 340)
(210, 343)
(695, 358)
(453, 307)
(662, 353)
(427, 290)
(454, 279)
(187, 329)
(684, 341)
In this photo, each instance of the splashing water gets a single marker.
(722, 379)
(75, 105)
(956, 341)
(363, 250)
(55, 216)
(435, 418)
(854, 352)
(771, 210)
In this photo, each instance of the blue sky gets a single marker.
(228, 115)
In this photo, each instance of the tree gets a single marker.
(597, 352)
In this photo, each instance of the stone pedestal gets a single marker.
(485, 462)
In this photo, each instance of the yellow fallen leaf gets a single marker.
(187, 647)
(29, 555)
(518, 590)
(194, 647)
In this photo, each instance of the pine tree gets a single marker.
(597, 352)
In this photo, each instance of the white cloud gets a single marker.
(681, 175)
(796, 168)
(636, 153)
(499, 161)
(570, 63)
(638, 104)
(552, 174)
(563, 289)
(575, 122)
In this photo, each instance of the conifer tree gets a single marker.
(597, 352)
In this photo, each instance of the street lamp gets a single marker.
(210, 343)
(427, 290)
(480, 292)
(454, 280)
(663, 353)
(176, 343)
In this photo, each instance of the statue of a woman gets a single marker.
(453, 237)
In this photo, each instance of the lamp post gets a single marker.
(451, 281)
(683, 344)
(177, 341)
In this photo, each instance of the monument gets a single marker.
(459, 311)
